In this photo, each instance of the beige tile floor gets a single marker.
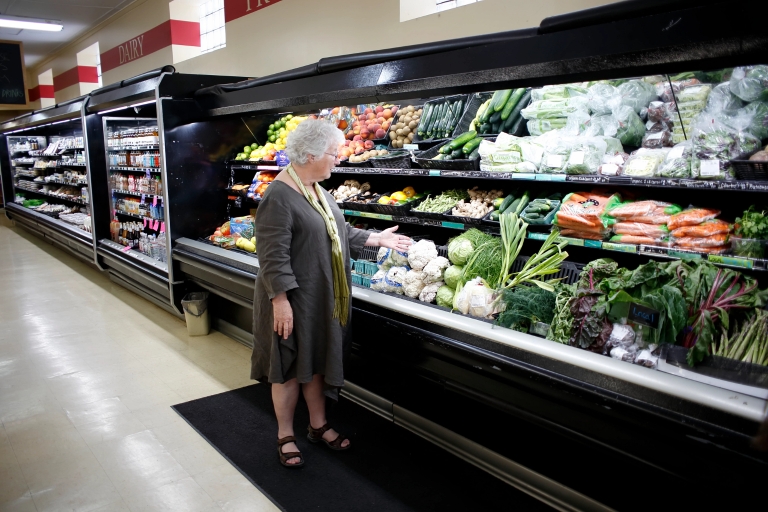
(88, 372)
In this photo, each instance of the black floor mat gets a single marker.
(388, 469)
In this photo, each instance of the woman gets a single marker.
(302, 295)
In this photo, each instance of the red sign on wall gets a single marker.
(234, 9)
(185, 33)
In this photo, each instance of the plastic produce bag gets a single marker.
(695, 94)
(678, 162)
(550, 109)
(394, 280)
(586, 212)
(721, 99)
(626, 126)
(388, 258)
(657, 140)
(598, 98)
(556, 154)
(691, 217)
(612, 165)
(635, 240)
(612, 145)
(667, 93)
(644, 162)
(658, 111)
(718, 139)
(705, 229)
(688, 242)
(750, 83)
(648, 212)
(586, 155)
(653, 231)
(577, 122)
(636, 94)
(542, 126)
(647, 359)
(556, 92)
(475, 298)
(621, 336)
(757, 112)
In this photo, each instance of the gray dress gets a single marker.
(295, 257)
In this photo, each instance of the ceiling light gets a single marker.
(30, 23)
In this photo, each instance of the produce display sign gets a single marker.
(643, 315)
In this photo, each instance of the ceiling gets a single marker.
(77, 16)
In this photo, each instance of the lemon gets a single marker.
(399, 196)
(383, 200)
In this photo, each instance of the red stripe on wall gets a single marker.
(46, 91)
(66, 79)
(186, 33)
(144, 44)
(88, 74)
(234, 9)
(34, 93)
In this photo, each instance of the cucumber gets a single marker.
(517, 127)
(495, 128)
(495, 118)
(457, 154)
(490, 110)
(472, 145)
(507, 203)
(519, 120)
(503, 99)
(523, 202)
(481, 111)
(533, 216)
(485, 128)
(447, 117)
(497, 202)
(456, 116)
(435, 119)
(445, 149)
(474, 154)
(424, 121)
(462, 139)
(439, 157)
(494, 216)
(512, 102)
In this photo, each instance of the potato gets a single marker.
(399, 131)
(406, 130)
(413, 125)
(407, 120)
(411, 136)
(392, 135)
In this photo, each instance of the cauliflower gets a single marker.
(429, 293)
(399, 259)
(377, 281)
(413, 283)
(421, 253)
(387, 258)
(393, 281)
(434, 269)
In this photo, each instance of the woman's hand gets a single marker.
(283, 315)
(389, 239)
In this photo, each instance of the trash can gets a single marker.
(196, 313)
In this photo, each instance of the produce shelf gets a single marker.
(51, 182)
(618, 181)
(135, 169)
(133, 148)
(137, 194)
(135, 254)
(253, 167)
(76, 201)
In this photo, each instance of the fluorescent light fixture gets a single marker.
(30, 23)
(64, 121)
(129, 106)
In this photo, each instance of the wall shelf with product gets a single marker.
(45, 181)
(446, 358)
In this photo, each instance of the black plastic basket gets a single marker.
(569, 271)
(395, 209)
(417, 139)
(394, 122)
(359, 207)
(425, 160)
(347, 163)
(475, 100)
(752, 170)
(474, 221)
(397, 161)
(429, 215)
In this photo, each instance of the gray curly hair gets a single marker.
(312, 137)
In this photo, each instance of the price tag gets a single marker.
(550, 177)
(710, 167)
(554, 160)
(594, 244)
(154, 201)
(609, 169)
(412, 147)
(577, 158)
(162, 227)
(731, 261)
(610, 246)
(643, 315)
(126, 248)
(523, 176)
(453, 225)
(433, 172)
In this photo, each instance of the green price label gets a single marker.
(730, 261)
(619, 247)
(453, 225)
(523, 176)
(594, 244)
(550, 177)
(434, 173)
(684, 255)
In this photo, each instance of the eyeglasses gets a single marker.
(334, 155)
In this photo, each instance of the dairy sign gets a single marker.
(131, 50)
(234, 9)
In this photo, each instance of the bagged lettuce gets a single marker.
(750, 83)
(677, 164)
(721, 98)
(636, 94)
(586, 155)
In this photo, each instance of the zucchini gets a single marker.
(462, 139)
(485, 128)
(435, 119)
(481, 110)
(523, 202)
(439, 157)
(507, 203)
(495, 118)
(517, 127)
(494, 216)
(512, 102)
(472, 145)
(447, 116)
(495, 128)
(503, 99)
(444, 149)
(474, 154)
(456, 116)
(456, 154)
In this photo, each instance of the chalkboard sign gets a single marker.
(12, 88)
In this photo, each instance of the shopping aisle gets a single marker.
(88, 372)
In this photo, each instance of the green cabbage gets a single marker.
(452, 275)
(459, 251)
(445, 296)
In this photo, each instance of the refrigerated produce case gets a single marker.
(558, 421)
(127, 151)
(46, 181)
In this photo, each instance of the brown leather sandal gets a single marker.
(315, 435)
(289, 455)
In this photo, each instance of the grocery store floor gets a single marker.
(88, 372)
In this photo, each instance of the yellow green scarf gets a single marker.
(340, 286)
